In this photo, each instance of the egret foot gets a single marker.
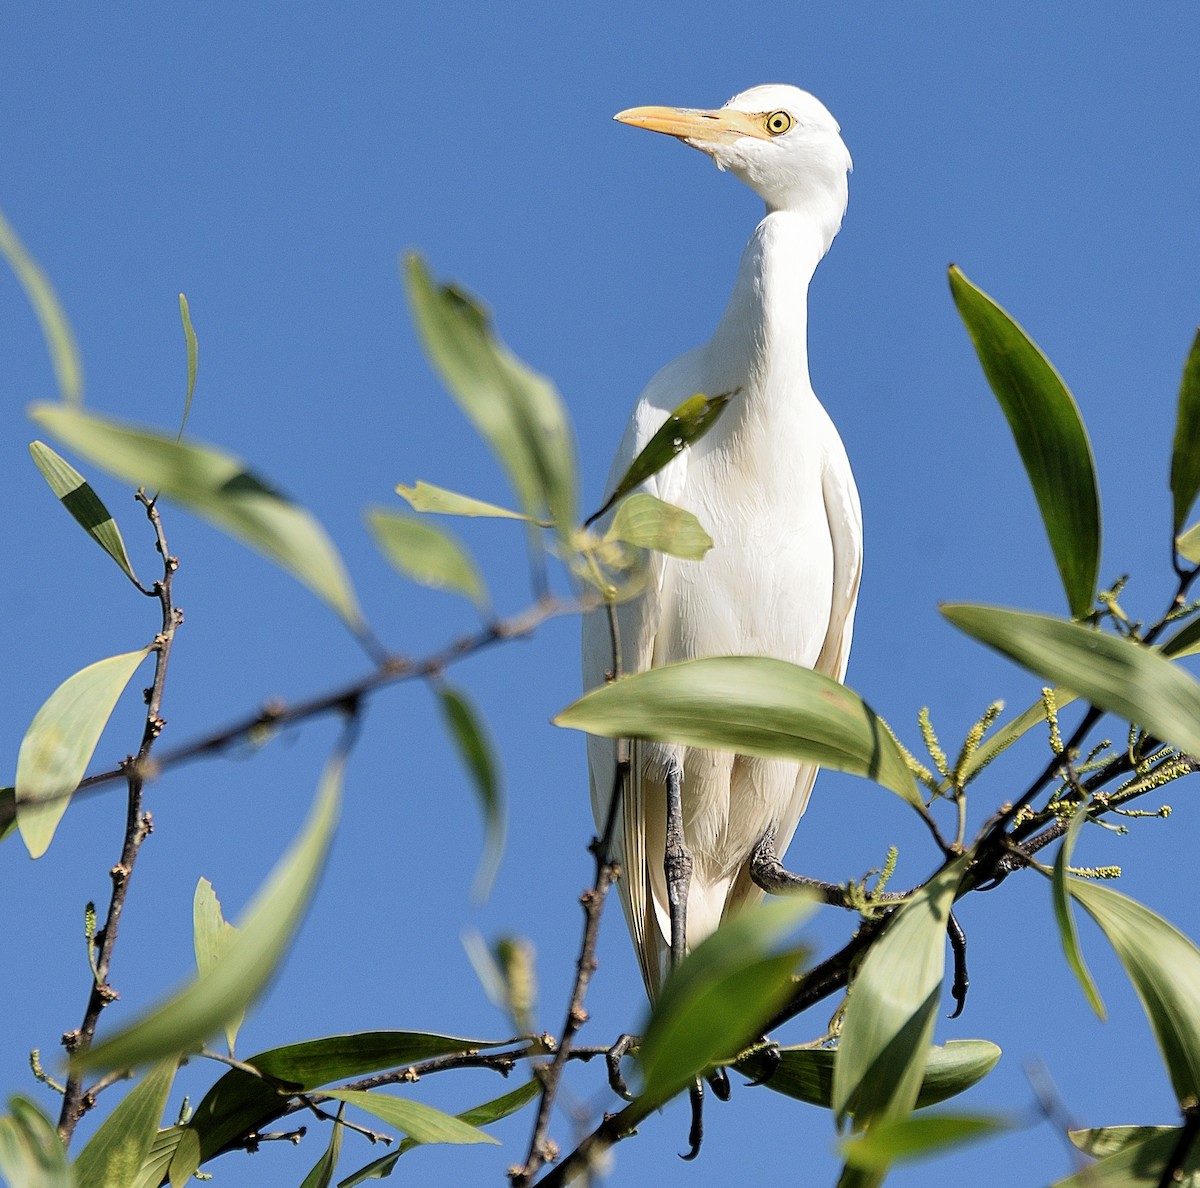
(677, 864)
(769, 873)
(718, 1082)
(612, 1059)
(696, 1130)
(958, 946)
(765, 1060)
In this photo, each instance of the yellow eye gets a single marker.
(777, 123)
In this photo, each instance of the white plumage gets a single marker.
(772, 485)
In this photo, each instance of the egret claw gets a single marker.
(696, 1130)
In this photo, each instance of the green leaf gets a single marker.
(193, 352)
(687, 424)
(1187, 545)
(217, 487)
(60, 341)
(177, 1153)
(427, 555)
(414, 1118)
(1066, 918)
(649, 523)
(1164, 967)
(1049, 434)
(77, 496)
(1007, 734)
(478, 755)
(1185, 453)
(516, 410)
(239, 1102)
(425, 497)
(806, 1074)
(8, 811)
(212, 936)
(1102, 1141)
(31, 1154)
(321, 1175)
(891, 1008)
(1113, 674)
(917, 1138)
(752, 705)
(60, 742)
(1185, 642)
(720, 997)
(208, 1004)
(115, 1154)
(1138, 1163)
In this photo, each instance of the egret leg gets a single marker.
(769, 873)
(958, 946)
(612, 1059)
(696, 1131)
(677, 864)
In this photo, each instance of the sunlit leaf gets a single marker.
(649, 523)
(1067, 931)
(31, 1154)
(206, 1005)
(516, 410)
(60, 341)
(752, 705)
(1008, 733)
(1185, 642)
(1049, 434)
(1187, 545)
(479, 756)
(219, 488)
(321, 1175)
(115, 1154)
(77, 496)
(720, 997)
(178, 1148)
(60, 742)
(425, 497)
(192, 347)
(414, 1118)
(1185, 453)
(917, 1137)
(1114, 674)
(1102, 1141)
(212, 935)
(426, 554)
(1139, 1163)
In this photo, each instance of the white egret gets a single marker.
(772, 485)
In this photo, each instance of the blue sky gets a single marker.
(271, 161)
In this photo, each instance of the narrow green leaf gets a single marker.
(752, 705)
(8, 812)
(1139, 1163)
(917, 1138)
(1113, 674)
(1164, 967)
(60, 341)
(115, 1154)
(321, 1175)
(60, 742)
(427, 555)
(1102, 1141)
(1008, 733)
(414, 1118)
(478, 755)
(1066, 918)
(720, 997)
(649, 523)
(207, 1004)
(218, 488)
(31, 1154)
(891, 1008)
(806, 1074)
(181, 1154)
(193, 354)
(78, 497)
(1049, 434)
(1185, 642)
(516, 410)
(212, 936)
(1185, 453)
(1187, 545)
(425, 497)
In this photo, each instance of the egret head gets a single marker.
(781, 141)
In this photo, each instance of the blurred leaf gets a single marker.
(1139, 1163)
(31, 1155)
(1185, 454)
(207, 1005)
(720, 997)
(891, 1008)
(807, 1073)
(8, 812)
(1007, 734)
(1102, 1141)
(649, 523)
(752, 705)
(60, 341)
(1164, 967)
(1049, 434)
(321, 1175)
(239, 1102)
(60, 742)
(687, 424)
(414, 1118)
(193, 353)
(1185, 642)
(77, 496)
(218, 488)
(427, 555)
(516, 410)
(477, 753)
(1066, 919)
(212, 936)
(917, 1138)
(1188, 544)
(425, 497)
(1113, 674)
(114, 1155)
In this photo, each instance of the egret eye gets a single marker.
(778, 122)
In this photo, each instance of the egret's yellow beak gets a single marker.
(704, 127)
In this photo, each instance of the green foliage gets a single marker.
(321, 1175)
(427, 554)
(212, 935)
(192, 347)
(916, 1138)
(1066, 920)
(115, 1155)
(414, 1118)
(1131, 1157)
(648, 523)
(31, 1155)
(425, 497)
